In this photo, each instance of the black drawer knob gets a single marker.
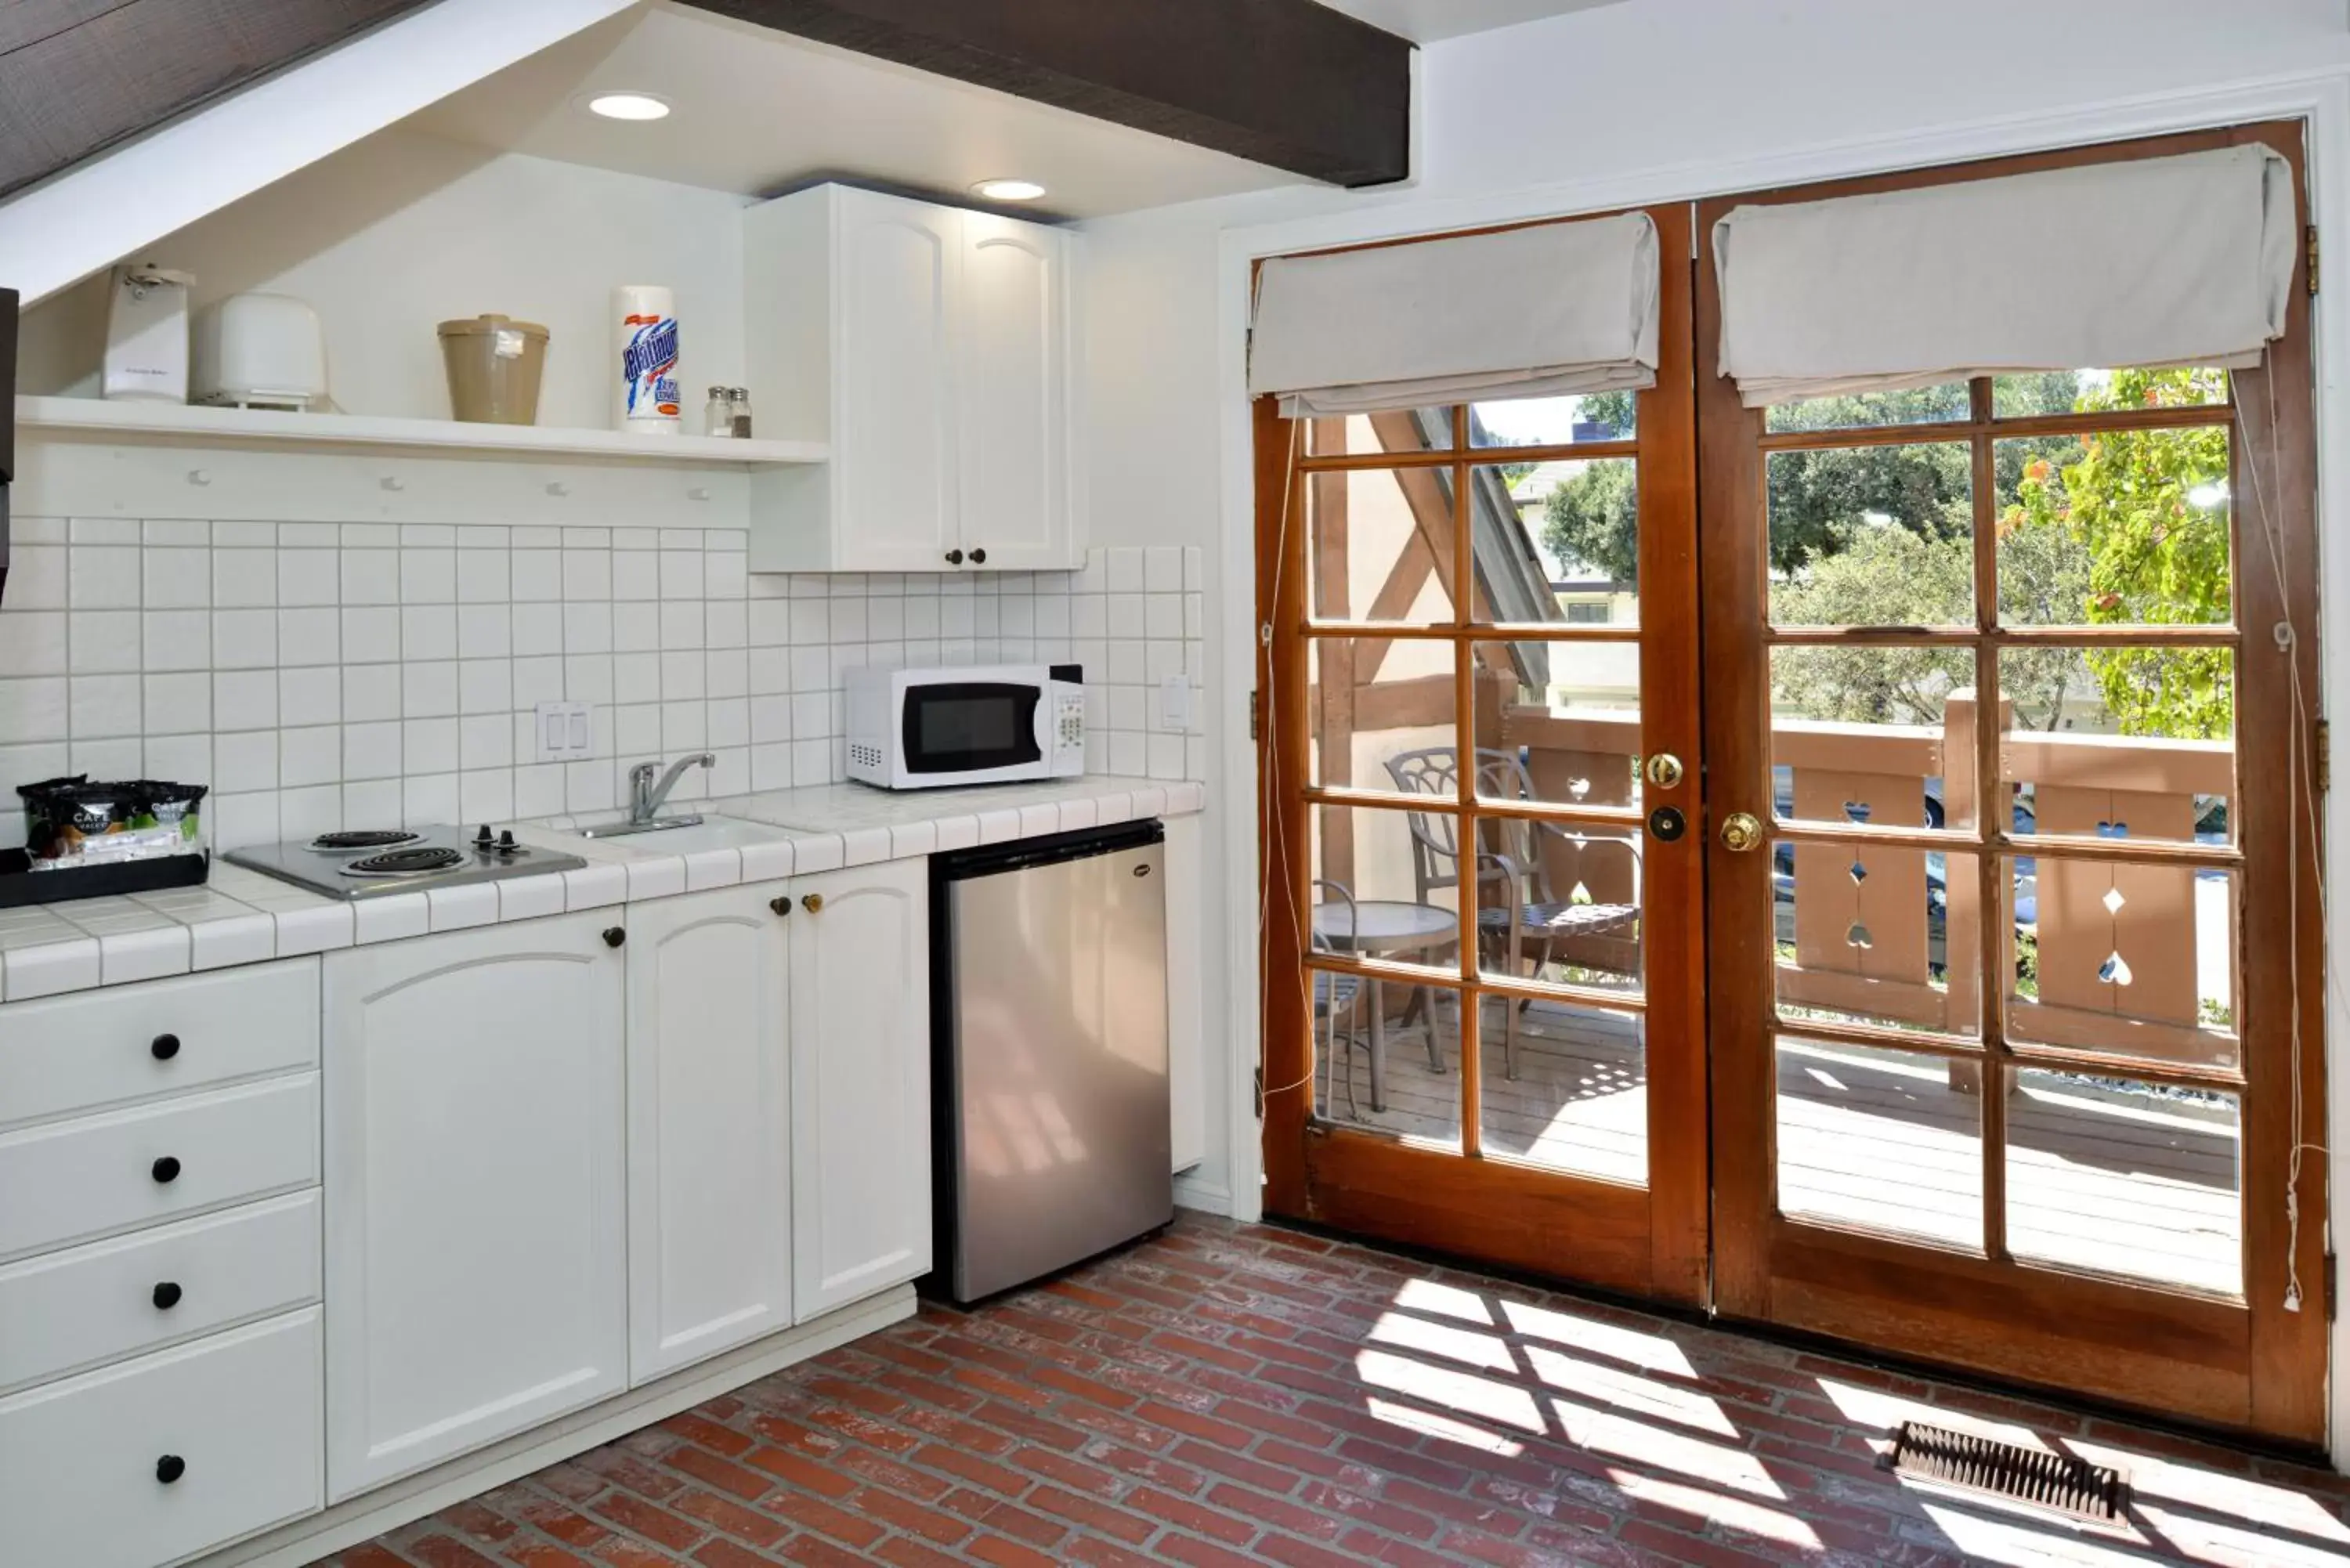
(614, 936)
(781, 906)
(170, 1467)
(166, 1168)
(167, 1295)
(978, 557)
(163, 1047)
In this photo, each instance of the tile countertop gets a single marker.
(243, 917)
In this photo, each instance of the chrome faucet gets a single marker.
(649, 787)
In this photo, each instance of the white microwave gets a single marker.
(989, 723)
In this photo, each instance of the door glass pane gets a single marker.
(1872, 535)
(1408, 430)
(1380, 545)
(1868, 934)
(1573, 1095)
(1387, 1056)
(1559, 723)
(2134, 961)
(1382, 713)
(1553, 421)
(2087, 391)
(1558, 904)
(2124, 528)
(2133, 742)
(1383, 885)
(1560, 541)
(1890, 1141)
(2113, 1176)
(1883, 736)
(1854, 411)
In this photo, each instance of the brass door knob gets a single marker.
(812, 903)
(1664, 769)
(1741, 831)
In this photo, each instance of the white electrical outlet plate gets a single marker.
(566, 732)
(1175, 703)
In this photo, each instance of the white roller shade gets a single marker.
(1546, 311)
(2154, 262)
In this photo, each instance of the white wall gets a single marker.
(403, 231)
(1645, 100)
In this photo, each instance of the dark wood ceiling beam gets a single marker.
(1287, 83)
(78, 77)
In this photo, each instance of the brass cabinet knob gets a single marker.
(1741, 831)
(1664, 769)
(812, 902)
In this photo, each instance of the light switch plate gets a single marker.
(566, 732)
(1175, 704)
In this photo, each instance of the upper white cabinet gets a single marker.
(476, 1230)
(860, 1083)
(710, 1167)
(933, 347)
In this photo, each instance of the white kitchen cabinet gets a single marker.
(710, 1253)
(932, 348)
(476, 1224)
(860, 1083)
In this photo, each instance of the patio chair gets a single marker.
(1334, 995)
(1518, 914)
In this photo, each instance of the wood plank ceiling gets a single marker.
(78, 77)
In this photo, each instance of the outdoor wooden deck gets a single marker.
(2099, 1178)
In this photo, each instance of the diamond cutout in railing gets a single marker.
(2115, 970)
(2113, 900)
(1858, 872)
(1856, 936)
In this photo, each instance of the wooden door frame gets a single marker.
(1651, 1240)
(2254, 1366)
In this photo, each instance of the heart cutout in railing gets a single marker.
(2115, 970)
(1856, 936)
(2113, 830)
(1855, 811)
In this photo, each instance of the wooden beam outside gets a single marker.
(78, 77)
(1287, 83)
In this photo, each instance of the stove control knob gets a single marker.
(482, 839)
(506, 845)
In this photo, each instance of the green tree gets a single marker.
(2149, 508)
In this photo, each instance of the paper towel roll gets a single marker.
(646, 400)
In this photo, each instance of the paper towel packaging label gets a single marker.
(649, 366)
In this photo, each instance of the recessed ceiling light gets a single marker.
(1008, 190)
(628, 106)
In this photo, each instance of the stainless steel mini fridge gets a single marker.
(1048, 988)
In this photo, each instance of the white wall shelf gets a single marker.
(190, 422)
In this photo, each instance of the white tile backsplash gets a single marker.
(318, 677)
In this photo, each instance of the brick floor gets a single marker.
(1231, 1395)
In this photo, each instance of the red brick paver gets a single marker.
(1229, 1394)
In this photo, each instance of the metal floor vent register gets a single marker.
(2059, 1482)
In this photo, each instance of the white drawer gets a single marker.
(79, 1308)
(71, 1182)
(82, 1462)
(67, 1054)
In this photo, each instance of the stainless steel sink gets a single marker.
(684, 835)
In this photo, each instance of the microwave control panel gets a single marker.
(1068, 735)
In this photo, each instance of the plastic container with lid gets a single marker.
(494, 364)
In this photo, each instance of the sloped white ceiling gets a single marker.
(1426, 21)
(754, 111)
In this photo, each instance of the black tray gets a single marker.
(21, 884)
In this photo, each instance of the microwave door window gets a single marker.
(970, 727)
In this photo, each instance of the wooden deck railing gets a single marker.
(1877, 947)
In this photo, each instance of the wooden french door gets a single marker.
(1483, 929)
(2014, 914)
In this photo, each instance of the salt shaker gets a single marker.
(718, 417)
